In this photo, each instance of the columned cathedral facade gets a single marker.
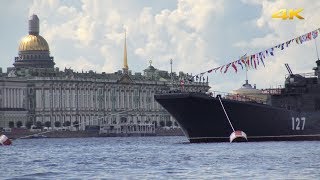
(34, 91)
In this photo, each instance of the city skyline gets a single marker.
(34, 91)
(89, 35)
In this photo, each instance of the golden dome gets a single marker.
(33, 43)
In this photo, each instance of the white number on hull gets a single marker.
(298, 123)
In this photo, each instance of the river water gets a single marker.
(157, 158)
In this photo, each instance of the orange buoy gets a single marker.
(4, 140)
(238, 136)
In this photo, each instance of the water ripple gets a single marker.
(157, 158)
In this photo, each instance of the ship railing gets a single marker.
(236, 97)
(272, 91)
(305, 75)
(278, 91)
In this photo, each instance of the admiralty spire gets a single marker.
(125, 60)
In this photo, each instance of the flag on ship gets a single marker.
(253, 61)
(227, 67)
(234, 67)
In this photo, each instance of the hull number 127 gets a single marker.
(298, 123)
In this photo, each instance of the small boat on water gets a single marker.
(34, 136)
(38, 136)
(4, 140)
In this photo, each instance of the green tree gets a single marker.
(47, 124)
(39, 125)
(161, 123)
(11, 124)
(169, 123)
(57, 124)
(19, 124)
(29, 124)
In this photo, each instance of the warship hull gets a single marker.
(202, 119)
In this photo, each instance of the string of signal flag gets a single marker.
(257, 59)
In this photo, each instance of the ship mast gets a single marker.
(242, 57)
(171, 70)
(247, 82)
(315, 43)
(171, 76)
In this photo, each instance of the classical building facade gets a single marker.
(34, 91)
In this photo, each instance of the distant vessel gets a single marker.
(34, 136)
(4, 140)
(38, 136)
(289, 113)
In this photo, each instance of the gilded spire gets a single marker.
(125, 60)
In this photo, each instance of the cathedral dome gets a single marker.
(34, 49)
(33, 43)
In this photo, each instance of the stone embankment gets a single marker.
(24, 133)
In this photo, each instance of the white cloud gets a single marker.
(95, 32)
(197, 35)
(301, 58)
(263, 42)
(79, 64)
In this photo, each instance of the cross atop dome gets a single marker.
(34, 25)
